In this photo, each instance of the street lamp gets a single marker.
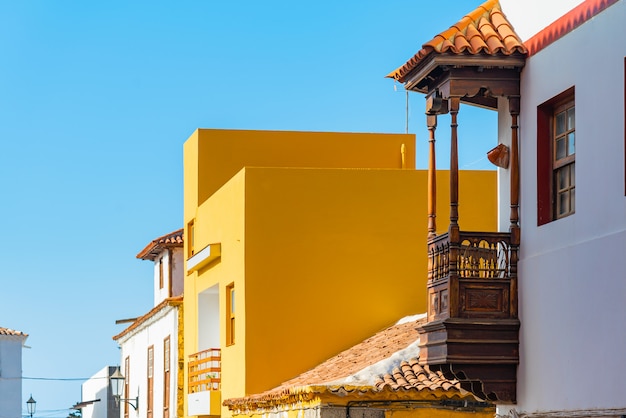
(117, 386)
(31, 405)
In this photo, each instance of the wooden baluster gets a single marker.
(514, 104)
(431, 121)
(454, 169)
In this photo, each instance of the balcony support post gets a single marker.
(431, 121)
(454, 170)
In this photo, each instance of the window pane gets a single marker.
(571, 143)
(571, 119)
(563, 203)
(560, 123)
(573, 199)
(560, 148)
(572, 175)
(562, 178)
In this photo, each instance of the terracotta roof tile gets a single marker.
(566, 23)
(485, 30)
(152, 250)
(12, 332)
(172, 301)
(378, 364)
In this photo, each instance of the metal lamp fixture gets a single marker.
(31, 405)
(117, 387)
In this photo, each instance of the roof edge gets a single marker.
(566, 24)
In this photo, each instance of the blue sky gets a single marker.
(96, 100)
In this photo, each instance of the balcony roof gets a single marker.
(484, 32)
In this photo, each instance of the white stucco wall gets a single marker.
(135, 344)
(98, 387)
(173, 257)
(571, 282)
(208, 319)
(11, 374)
(530, 16)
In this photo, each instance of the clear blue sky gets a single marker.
(96, 100)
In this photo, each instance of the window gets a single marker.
(230, 314)
(161, 273)
(126, 384)
(150, 380)
(556, 158)
(166, 376)
(190, 239)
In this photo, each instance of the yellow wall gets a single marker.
(222, 153)
(321, 258)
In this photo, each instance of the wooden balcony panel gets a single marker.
(473, 277)
(204, 371)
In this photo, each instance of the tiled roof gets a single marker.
(8, 331)
(173, 301)
(152, 250)
(378, 364)
(566, 23)
(485, 31)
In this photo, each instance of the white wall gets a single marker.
(98, 387)
(526, 19)
(572, 289)
(173, 257)
(10, 374)
(135, 344)
(208, 319)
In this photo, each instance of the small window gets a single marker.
(161, 278)
(166, 376)
(126, 384)
(150, 370)
(556, 158)
(230, 314)
(190, 239)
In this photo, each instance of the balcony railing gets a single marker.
(472, 276)
(205, 370)
(477, 254)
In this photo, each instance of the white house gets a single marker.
(532, 317)
(573, 234)
(11, 343)
(97, 396)
(150, 345)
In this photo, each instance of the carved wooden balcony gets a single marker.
(472, 328)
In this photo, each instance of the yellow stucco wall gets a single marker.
(321, 258)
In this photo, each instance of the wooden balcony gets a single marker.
(204, 379)
(472, 328)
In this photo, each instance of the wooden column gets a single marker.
(514, 104)
(431, 121)
(454, 170)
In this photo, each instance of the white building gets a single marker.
(97, 396)
(11, 343)
(571, 285)
(151, 344)
(533, 318)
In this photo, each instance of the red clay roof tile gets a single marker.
(151, 251)
(360, 369)
(12, 332)
(485, 30)
(566, 23)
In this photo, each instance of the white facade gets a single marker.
(172, 263)
(97, 397)
(571, 282)
(162, 325)
(11, 343)
(156, 332)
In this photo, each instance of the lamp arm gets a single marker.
(130, 402)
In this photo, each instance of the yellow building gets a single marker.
(300, 245)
